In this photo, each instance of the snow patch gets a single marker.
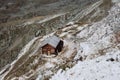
(96, 69)
(115, 1)
(49, 65)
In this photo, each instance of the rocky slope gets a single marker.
(91, 49)
(30, 19)
(98, 53)
(24, 9)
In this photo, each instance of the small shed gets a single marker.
(52, 45)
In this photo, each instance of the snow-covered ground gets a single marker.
(91, 52)
(96, 69)
(99, 49)
(114, 1)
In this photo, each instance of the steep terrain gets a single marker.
(22, 20)
(32, 18)
(24, 9)
(98, 55)
(91, 49)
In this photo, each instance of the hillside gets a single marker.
(91, 45)
(99, 49)
(30, 18)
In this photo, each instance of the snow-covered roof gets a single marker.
(52, 40)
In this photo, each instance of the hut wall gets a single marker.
(48, 49)
(60, 46)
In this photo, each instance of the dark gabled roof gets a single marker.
(52, 40)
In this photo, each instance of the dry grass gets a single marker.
(73, 54)
(117, 37)
(20, 66)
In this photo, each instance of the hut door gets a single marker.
(48, 52)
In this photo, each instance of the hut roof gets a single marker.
(52, 40)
